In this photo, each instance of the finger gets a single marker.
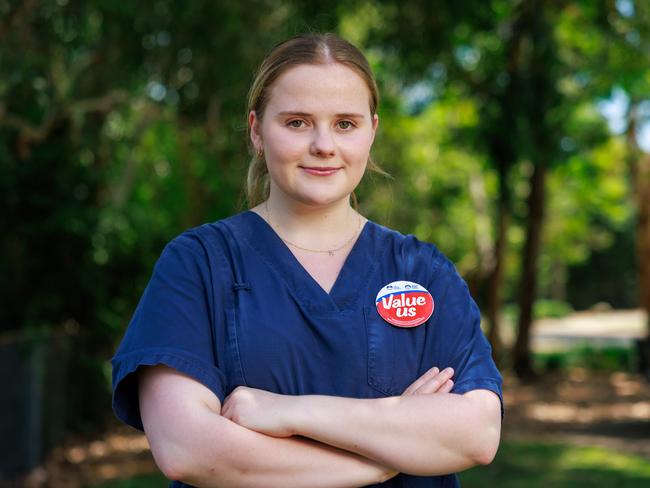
(426, 378)
(447, 387)
(435, 383)
(421, 381)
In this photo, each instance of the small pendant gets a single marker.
(331, 253)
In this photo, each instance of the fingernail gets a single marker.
(448, 370)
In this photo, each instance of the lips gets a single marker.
(320, 170)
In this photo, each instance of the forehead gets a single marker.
(316, 88)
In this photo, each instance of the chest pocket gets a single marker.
(396, 356)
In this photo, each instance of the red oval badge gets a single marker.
(404, 304)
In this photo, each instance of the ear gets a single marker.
(255, 131)
(375, 123)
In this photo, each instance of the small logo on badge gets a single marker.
(404, 304)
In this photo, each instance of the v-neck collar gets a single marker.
(352, 277)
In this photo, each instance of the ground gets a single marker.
(610, 410)
(582, 406)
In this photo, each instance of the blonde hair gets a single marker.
(299, 50)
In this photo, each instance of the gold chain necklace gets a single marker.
(328, 251)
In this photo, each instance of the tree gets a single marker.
(121, 125)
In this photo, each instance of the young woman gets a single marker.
(297, 343)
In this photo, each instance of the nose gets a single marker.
(322, 144)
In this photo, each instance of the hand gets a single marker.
(433, 381)
(260, 410)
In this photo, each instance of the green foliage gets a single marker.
(148, 137)
(609, 274)
(542, 308)
(551, 308)
(430, 178)
(447, 167)
(538, 464)
(122, 124)
(589, 357)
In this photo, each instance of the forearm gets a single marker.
(191, 441)
(221, 453)
(421, 435)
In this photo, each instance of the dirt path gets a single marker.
(611, 410)
(121, 453)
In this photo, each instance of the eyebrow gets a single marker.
(350, 115)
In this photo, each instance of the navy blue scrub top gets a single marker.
(228, 304)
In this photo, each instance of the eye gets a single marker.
(345, 125)
(296, 123)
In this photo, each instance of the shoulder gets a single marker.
(206, 239)
(414, 256)
(203, 250)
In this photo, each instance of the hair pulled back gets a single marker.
(312, 49)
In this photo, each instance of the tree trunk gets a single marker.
(642, 185)
(496, 281)
(504, 152)
(522, 364)
(639, 165)
(544, 129)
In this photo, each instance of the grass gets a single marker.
(521, 464)
(537, 464)
(591, 358)
(141, 481)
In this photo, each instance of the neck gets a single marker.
(312, 226)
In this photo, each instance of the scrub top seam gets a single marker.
(205, 256)
(177, 242)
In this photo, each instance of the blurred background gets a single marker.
(517, 137)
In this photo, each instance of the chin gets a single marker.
(321, 199)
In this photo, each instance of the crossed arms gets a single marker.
(257, 438)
